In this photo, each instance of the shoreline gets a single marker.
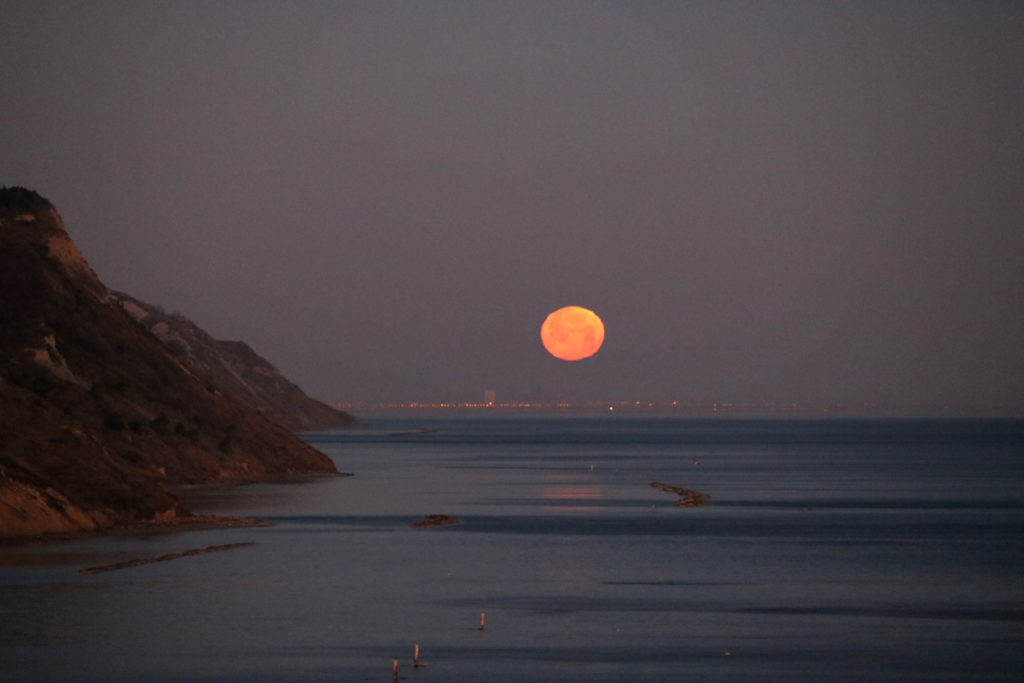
(185, 521)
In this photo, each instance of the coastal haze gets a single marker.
(800, 202)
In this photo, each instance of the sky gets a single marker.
(765, 202)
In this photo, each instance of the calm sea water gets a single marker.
(829, 550)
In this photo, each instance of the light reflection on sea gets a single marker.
(828, 551)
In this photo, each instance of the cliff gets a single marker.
(98, 420)
(237, 369)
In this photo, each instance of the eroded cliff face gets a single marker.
(237, 369)
(32, 512)
(98, 420)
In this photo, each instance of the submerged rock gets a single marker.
(435, 520)
(687, 497)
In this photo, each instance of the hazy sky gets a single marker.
(764, 201)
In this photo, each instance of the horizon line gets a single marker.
(695, 407)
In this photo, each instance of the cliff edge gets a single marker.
(236, 368)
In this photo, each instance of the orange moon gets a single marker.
(572, 333)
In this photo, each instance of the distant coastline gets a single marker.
(679, 409)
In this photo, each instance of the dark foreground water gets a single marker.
(828, 551)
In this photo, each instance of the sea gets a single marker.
(819, 550)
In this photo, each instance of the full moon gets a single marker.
(572, 333)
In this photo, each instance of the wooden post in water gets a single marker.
(482, 615)
(394, 671)
(416, 656)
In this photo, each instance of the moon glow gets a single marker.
(572, 333)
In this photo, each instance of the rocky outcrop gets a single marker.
(688, 498)
(237, 369)
(434, 521)
(98, 420)
(39, 511)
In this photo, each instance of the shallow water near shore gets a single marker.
(828, 550)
